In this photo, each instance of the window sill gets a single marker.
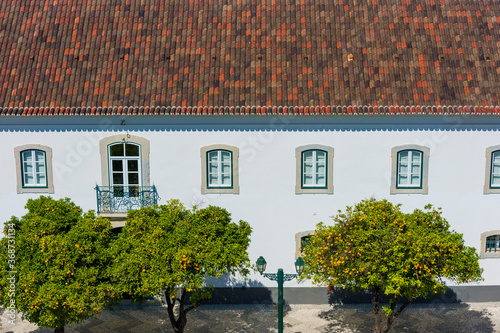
(49, 189)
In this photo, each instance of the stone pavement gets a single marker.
(418, 318)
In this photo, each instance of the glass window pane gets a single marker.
(415, 157)
(226, 180)
(226, 156)
(226, 168)
(415, 180)
(133, 178)
(212, 157)
(320, 156)
(117, 178)
(308, 179)
(40, 179)
(133, 165)
(40, 168)
(320, 169)
(403, 157)
(118, 191)
(415, 169)
(212, 168)
(28, 179)
(40, 156)
(212, 180)
(403, 179)
(307, 156)
(28, 167)
(116, 150)
(495, 169)
(496, 158)
(131, 150)
(27, 157)
(320, 180)
(133, 191)
(117, 165)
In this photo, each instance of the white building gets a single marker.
(101, 104)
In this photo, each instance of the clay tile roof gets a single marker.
(249, 57)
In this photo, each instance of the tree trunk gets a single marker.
(59, 330)
(180, 322)
(394, 315)
(376, 310)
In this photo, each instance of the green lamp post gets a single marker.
(280, 278)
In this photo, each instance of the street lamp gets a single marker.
(280, 277)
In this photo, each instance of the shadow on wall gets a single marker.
(233, 290)
(343, 296)
(417, 318)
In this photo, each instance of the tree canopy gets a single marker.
(170, 251)
(375, 246)
(60, 266)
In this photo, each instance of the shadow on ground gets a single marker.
(417, 318)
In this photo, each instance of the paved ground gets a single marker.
(418, 318)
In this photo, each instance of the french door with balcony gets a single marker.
(124, 169)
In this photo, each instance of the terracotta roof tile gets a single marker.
(185, 55)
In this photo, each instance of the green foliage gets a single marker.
(61, 259)
(373, 245)
(175, 249)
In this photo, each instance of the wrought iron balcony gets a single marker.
(121, 199)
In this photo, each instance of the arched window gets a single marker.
(219, 169)
(409, 169)
(492, 174)
(493, 243)
(490, 244)
(314, 165)
(34, 169)
(125, 168)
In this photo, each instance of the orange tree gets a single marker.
(53, 264)
(375, 246)
(170, 251)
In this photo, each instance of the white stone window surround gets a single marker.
(298, 241)
(127, 138)
(21, 188)
(488, 189)
(235, 188)
(482, 252)
(424, 188)
(299, 188)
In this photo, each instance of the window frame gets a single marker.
(21, 186)
(219, 168)
(125, 171)
(488, 189)
(144, 150)
(488, 254)
(234, 153)
(424, 170)
(410, 165)
(302, 174)
(299, 185)
(34, 167)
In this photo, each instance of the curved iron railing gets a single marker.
(121, 199)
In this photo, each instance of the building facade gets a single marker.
(283, 113)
